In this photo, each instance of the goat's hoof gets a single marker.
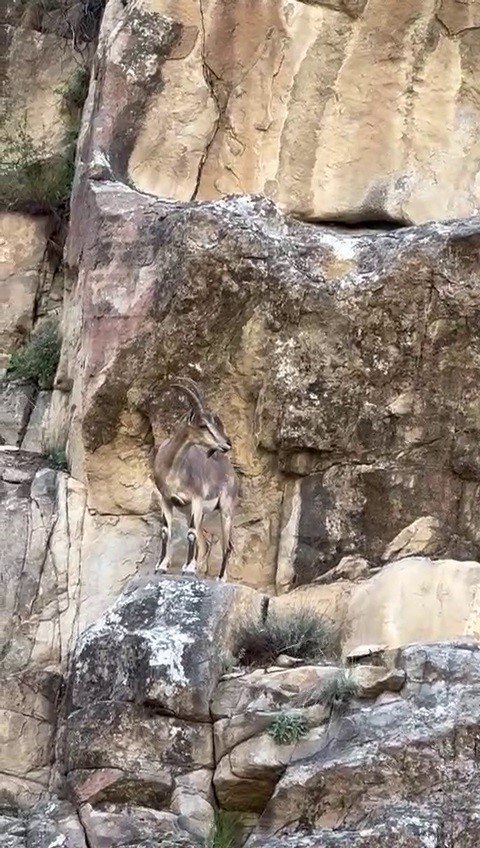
(161, 569)
(190, 568)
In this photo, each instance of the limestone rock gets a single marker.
(174, 626)
(36, 438)
(264, 691)
(28, 720)
(23, 241)
(372, 680)
(349, 568)
(17, 400)
(423, 537)
(249, 761)
(414, 600)
(396, 755)
(35, 111)
(265, 104)
(285, 301)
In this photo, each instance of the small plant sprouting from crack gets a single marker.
(335, 692)
(57, 458)
(38, 359)
(225, 832)
(288, 727)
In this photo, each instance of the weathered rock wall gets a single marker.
(345, 364)
(345, 368)
(151, 735)
(346, 109)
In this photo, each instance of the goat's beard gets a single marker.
(211, 452)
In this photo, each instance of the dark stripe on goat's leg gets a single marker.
(227, 544)
(192, 538)
(165, 534)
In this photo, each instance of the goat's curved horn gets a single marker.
(193, 397)
(191, 385)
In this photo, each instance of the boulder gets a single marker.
(173, 627)
(372, 680)
(351, 568)
(138, 729)
(423, 537)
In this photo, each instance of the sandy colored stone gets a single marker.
(38, 69)
(279, 315)
(27, 735)
(36, 438)
(263, 690)
(415, 600)
(351, 568)
(17, 402)
(328, 600)
(109, 827)
(115, 549)
(423, 536)
(333, 109)
(372, 680)
(23, 240)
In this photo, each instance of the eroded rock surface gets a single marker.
(139, 725)
(414, 600)
(353, 110)
(351, 362)
(402, 770)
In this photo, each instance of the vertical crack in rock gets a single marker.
(209, 76)
(82, 824)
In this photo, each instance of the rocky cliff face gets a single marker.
(220, 190)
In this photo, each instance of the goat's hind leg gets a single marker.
(165, 536)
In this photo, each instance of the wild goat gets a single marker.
(191, 470)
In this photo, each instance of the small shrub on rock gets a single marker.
(287, 728)
(57, 459)
(32, 179)
(303, 634)
(38, 359)
(335, 693)
(76, 89)
(225, 832)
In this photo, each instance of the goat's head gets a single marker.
(204, 427)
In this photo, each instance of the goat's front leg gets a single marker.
(226, 517)
(166, 537)
(193, 536)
